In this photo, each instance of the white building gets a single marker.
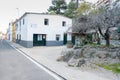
(0, 35)
(36, 29)
(9, 32)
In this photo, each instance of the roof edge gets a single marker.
(38, 14)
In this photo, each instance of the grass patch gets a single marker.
(101, 45)
(113, 67)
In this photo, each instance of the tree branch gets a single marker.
(100, 31)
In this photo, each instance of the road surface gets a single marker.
(15, 66)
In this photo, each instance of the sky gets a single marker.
(13, 9)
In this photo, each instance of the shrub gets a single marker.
(69, 44)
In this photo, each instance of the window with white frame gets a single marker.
(16, 26)
(23, 21)
(39, 37)
(20, 23)
(63, 23)
(46, 21)
(57, 37)
(20, 37)
(17, 36)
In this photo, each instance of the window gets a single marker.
(57, 37)
(19, 37)
(39, 37)
(16, 26)
(63, 23)
(46, 22)
(23, 21)
(20, 23)
(20, 26)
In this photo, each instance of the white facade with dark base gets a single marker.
(36, 29)
(9, 32)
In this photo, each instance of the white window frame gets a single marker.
(39, 37)
(58, 36)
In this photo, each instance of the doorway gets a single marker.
(39, 39)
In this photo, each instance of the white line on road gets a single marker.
(49, 72)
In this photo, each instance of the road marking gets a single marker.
(46, 70)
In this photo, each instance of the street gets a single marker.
(15, 66)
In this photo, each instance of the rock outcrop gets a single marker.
(92, 55)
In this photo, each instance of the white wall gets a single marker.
(36, 25)
(9, 34)
(0, 36)
(22, 29)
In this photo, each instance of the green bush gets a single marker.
(69, 42)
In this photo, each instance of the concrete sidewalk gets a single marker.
(48, 55)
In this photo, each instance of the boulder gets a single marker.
(118, 54)
(81, 62)
(77, 53)
(73, 62)
(67, 54)
(102, 54)
(76, 62)
(89, 53)
(95, 55)
(113, 55)
(60, 58)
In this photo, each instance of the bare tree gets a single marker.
(82, 24)
(107, 20)
(103, 22)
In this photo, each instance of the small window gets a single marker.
(19, 37)
(20, 28)
(63, 23)
(57, 37)
(20, 23)
(46, 22)
(23, 21)
(39, 37)
(16, 26)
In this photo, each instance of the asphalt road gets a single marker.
(14, 66)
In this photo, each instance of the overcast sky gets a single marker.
(11, 9)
